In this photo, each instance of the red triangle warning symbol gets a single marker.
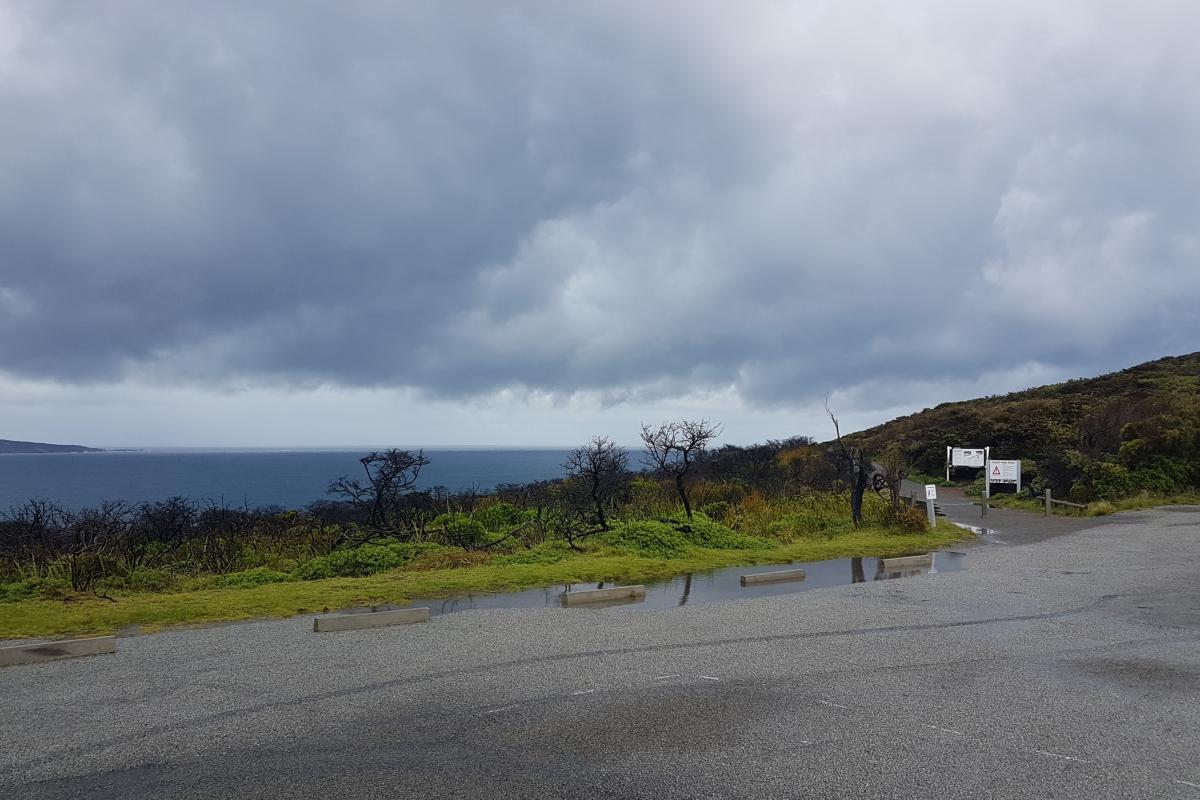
(995, 470)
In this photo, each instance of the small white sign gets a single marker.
(966, 457)
(930, 491)
(1004, 471)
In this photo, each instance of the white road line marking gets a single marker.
(498, 710)
(1059, 755)
(664, 677)
(945, 730)
(585, 691)
(835, 705)
(1193, 785)
(708, 677)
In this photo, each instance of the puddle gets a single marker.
(987, 534)
(699, 587)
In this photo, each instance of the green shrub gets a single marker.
(670, 538)
(500, 517)
(549, 553)
(1164, 475)
(704, 532)
(149, 580)
(140, 579)
(911, 519)
(367, 559)
(647, 537)
(459, 530)
(35, 588)
(250, 577)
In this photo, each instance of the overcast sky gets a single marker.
(314, 223)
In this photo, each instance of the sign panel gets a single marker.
(967, 457)
(1004, 471)
(930, 491)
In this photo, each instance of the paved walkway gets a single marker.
(1004, 525)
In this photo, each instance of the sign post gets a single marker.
(987, 478)
(930, 496)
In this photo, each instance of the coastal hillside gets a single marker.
(1096, 438)
(8, 446)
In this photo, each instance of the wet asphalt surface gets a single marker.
(1063, 662)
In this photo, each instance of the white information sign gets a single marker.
(930, 491)
(1004, 471)
(967, 457)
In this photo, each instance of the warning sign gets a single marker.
(1004, 472)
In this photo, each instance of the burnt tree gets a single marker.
(855, 466)
(388, 477)
(673, 448)
(598, 470)
(894, 465)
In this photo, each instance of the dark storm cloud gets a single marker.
(620, 197)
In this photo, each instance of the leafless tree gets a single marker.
(597, 470)
(389, 476)
(857, 468)
(572, 523)
(673, 447)
(894, 465)
(219, 534)
(31, 536)
(154, 532)
(87, 535)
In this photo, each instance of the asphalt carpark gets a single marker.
(1064, 662)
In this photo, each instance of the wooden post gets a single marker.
(1048, 502)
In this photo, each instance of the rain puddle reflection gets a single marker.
(987, 534)
(704, 587)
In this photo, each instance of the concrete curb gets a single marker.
(600, 595)
(773, 577)
(906, 562)
(373, 619)
(55, 651)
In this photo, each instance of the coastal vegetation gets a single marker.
(378, 538)
(1127, 438)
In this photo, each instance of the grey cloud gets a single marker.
(624, 198)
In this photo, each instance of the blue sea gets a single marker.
(289, 478)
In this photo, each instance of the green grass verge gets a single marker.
(1096, 508)
(154, 611)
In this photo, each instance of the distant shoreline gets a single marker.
(18, 448)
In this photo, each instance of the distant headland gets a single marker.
(8, 446)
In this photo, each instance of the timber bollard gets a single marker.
(1048, 502)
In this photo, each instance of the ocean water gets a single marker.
(289, 478)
